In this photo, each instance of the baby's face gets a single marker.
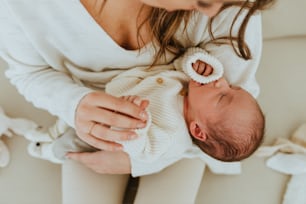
(214, 99)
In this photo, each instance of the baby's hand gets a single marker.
(202, 68)
(143, 104)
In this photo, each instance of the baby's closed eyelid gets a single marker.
(234, 87)
(221, 97)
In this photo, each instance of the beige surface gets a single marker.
(282, 76)
(26, 180)
(286, 19)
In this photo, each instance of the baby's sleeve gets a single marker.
(146, 152)
(238, 71)
(193, 54)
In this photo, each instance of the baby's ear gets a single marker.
(197, 132)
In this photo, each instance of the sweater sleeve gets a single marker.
(184, 63)
(163, 140)
(147, 153)
(47, 88)
(238, 71)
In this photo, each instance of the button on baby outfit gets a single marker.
(160, 80)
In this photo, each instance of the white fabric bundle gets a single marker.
(9, 127)
(288, 156)
(296, 189)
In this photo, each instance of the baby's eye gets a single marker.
(234, 87)
(221, 97)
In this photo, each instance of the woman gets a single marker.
(61, 54)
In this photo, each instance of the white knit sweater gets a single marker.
(54, 47)
(166, 139)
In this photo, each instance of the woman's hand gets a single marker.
(202, 68)
(97, 112)
(104, 162)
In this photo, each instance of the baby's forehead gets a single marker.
(238, 102)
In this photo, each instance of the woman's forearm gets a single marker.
(46, 88)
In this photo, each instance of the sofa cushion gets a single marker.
(285, 18)
(281, 77)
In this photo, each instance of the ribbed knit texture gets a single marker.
(191, 56)
(165, 139)
(53, 47)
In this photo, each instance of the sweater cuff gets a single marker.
(191, 56)
(73, 99)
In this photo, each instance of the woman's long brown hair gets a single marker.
(164, 25)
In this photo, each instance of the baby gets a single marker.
(187, 117)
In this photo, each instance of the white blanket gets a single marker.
(288, 156)
(9, 127)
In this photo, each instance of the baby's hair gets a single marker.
(234, 139)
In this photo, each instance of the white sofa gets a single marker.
(282, 76)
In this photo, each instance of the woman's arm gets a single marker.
(54, 90)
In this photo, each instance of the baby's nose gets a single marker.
(220, 83)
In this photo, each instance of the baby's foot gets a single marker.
(41, 135)
(38, 135)
(43, 150)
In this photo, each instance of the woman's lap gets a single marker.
(178, 184)
(81, 185)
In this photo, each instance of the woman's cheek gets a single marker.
(211, 11)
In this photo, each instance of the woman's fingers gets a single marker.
(115, 119)
(103, 137)
(103, 132)
(103, 100)
(99, 123)
(111, 116)
(100, 143)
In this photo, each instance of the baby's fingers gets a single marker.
(199, 67)
(142, 103)
(208, 70)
